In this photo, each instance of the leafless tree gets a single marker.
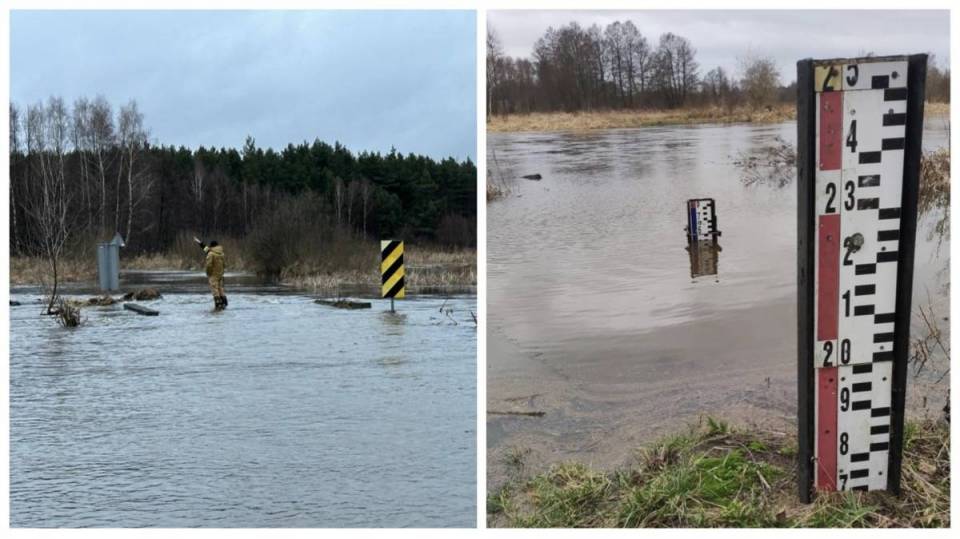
(675, 68)
(366, 192)
(339, 194)
(760, 79)
(102, 140)
(133, 139)
(15, 153)
(49, 208)
(80, 136)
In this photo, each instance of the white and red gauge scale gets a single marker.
(859, 127)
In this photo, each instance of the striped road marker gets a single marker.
(391, 270)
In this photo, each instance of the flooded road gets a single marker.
(593, 315)
(275, 412)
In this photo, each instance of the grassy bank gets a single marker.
(719, 476)
(613, 119)
(426, 266)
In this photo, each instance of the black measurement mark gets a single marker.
(882, 356)
(885, 318)
(862, 386)
(860, 405)
(868, 203)
(871, 180)
(895, 94)
(880, 429)
(887, 256)
(890, 213)
(862, 310)
(859, 474)
(864, 289)
(859, 457)
(865, 269)
(895, 118)
(879, 446)
(888, 235)
(880, 82)
(883, 337)
(880, 412)
(892, 144)
(863, 368)
(869, 157)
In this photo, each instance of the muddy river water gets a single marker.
(593, 317)
(276, 412)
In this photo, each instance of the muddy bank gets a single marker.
(603, 398)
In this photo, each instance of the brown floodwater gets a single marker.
(601, 318)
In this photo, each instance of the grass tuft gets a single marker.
(717, 475)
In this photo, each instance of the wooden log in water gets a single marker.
(344, 303)
(140, 309)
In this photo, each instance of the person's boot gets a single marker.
(223, 299)
(217, 303)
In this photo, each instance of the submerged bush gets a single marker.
(67, 313)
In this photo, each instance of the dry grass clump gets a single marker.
(425, 266)
(719, 476)
(936, 109)
(67, 312)
(775, 164)
(935, 189)
(615, 119)
(31, 270)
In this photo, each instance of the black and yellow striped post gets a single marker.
(391, 270)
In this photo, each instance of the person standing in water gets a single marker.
(215, 268)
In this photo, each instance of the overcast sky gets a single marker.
(721, 37)
(370, 80)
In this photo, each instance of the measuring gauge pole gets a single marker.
(702, 246)
(859, 128)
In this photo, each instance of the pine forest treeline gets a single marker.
(89, 171)
(574, 69)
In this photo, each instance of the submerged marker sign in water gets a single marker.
(859, 128)
(702, 234)
(391, 269)
(702, 219)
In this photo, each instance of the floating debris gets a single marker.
(344, 304)
(144, 294)
(140, 309)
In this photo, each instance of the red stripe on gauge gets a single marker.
(828, 276)
(827, 428)
(831, 130)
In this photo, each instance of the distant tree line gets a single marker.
(616, 67)
(93, 171)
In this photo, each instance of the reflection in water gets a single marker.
(393, 322)
(704, 255)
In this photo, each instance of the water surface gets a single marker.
(593, 315)
(275, 412)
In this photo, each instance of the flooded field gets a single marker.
(275, 412)
(594, 318)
